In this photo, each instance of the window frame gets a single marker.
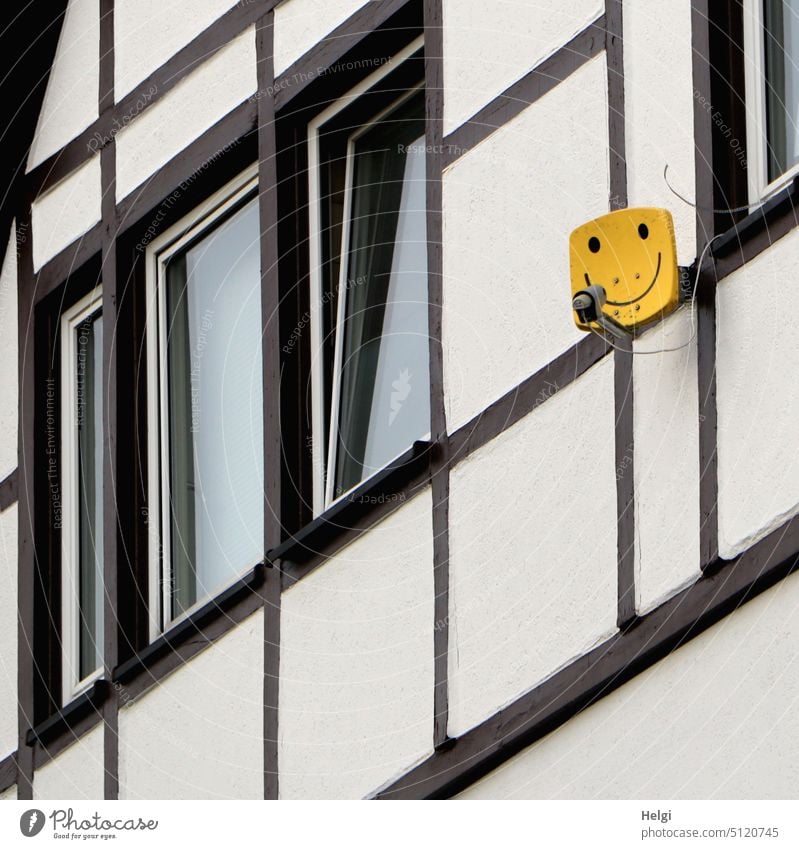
(203, 218)
(759, 187)
(71, 685)
(323, 452)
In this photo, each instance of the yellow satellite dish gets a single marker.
(631, 254)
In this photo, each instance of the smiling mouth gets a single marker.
(642, 295)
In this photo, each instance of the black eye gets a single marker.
(643, 231)
(593, 244)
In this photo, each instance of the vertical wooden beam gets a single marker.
(623, 359)
(270, 302)
(111, 521)
(439, 461)
(26, 559)
(271, 593)
(625, 483)
(614, 50)
(106, 91)
(706, 293)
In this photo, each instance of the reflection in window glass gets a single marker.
(383, 360)
(89, 413)
(215, 409)
(782, 84)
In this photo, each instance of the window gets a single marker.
(369, 283)
(772, 91)
(82, 594)
(205, 398)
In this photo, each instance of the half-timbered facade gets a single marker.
(310, 487)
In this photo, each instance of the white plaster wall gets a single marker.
(198, 734)
(666, 467)
(717, 719)
(510, 40)
(70, 100)
(9, 795)
(659, 103)
(9, 395)
(147, 33)
(532, 549)
(77, 773)
(301, 24)
(8, 631)
(66, 212)
(509, 207)
(192, 107)
(757, 398)
(356, 662)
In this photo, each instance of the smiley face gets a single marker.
(633, 255)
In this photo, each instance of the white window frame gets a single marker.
(755, 98)
(203, 218)
(71, 685)
(324, 464)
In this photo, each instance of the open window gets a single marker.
(205, 403)
(771, 41)
(369, 301)
(82, 596)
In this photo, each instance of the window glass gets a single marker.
(88, 371)
(781, 18)
(215, 411)
(381, 398)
